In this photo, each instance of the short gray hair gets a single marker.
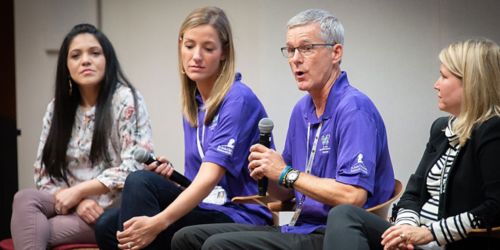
(332, 30)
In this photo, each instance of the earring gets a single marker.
(70, 84)
(182, 71)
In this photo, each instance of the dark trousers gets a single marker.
(240, 236)
(147, 193)
(352, 228)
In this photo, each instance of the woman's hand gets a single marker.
(89, 210)
(138, 232)
(162, 167)
(66, 199)
(405, 237)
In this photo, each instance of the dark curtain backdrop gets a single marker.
(8, 127)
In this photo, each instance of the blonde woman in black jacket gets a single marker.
(456, 187)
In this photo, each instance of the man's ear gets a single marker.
(337, 53)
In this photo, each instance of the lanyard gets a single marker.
(309, 163)
(218, 195)
(313, 149)
(200, 142)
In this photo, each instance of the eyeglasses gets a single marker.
(305, 50)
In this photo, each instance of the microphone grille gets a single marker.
(141, 155)
(266, 125)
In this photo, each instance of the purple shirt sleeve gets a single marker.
(225, 145)
(357, 150)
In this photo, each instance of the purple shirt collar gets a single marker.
(337, 89)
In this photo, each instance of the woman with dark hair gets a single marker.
(221, 117)
(456, 186)
(90, 130)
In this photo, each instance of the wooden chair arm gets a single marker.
(482, 232)
(274, 206)
(277, 206)
(253, 199)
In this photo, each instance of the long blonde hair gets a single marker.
(477, 64)
(215, 17)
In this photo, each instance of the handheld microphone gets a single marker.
(143, 156)
(266, 125)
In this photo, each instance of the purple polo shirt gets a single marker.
(226, 142)
(352, 149)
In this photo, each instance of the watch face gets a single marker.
(292, 175)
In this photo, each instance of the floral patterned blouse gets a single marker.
(126, 135)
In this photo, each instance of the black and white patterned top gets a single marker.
(445, 230)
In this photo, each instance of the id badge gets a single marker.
(217, 196)
(295, 216)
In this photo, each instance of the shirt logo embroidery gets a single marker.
(214, 122)
(359, 167)
(325, 141)
(230, 144)
(228, 148)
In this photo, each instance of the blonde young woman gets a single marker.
(457, 184)
(221, 118)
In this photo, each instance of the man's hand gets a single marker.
(265, 162)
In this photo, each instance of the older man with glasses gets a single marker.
(335, 152)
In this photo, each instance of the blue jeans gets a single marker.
(147, 193)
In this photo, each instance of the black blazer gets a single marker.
(473, 183)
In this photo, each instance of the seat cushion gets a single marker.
(76, 246)
(7, 244)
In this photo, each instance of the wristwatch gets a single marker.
(291, 177)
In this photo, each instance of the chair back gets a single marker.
(383, 208)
